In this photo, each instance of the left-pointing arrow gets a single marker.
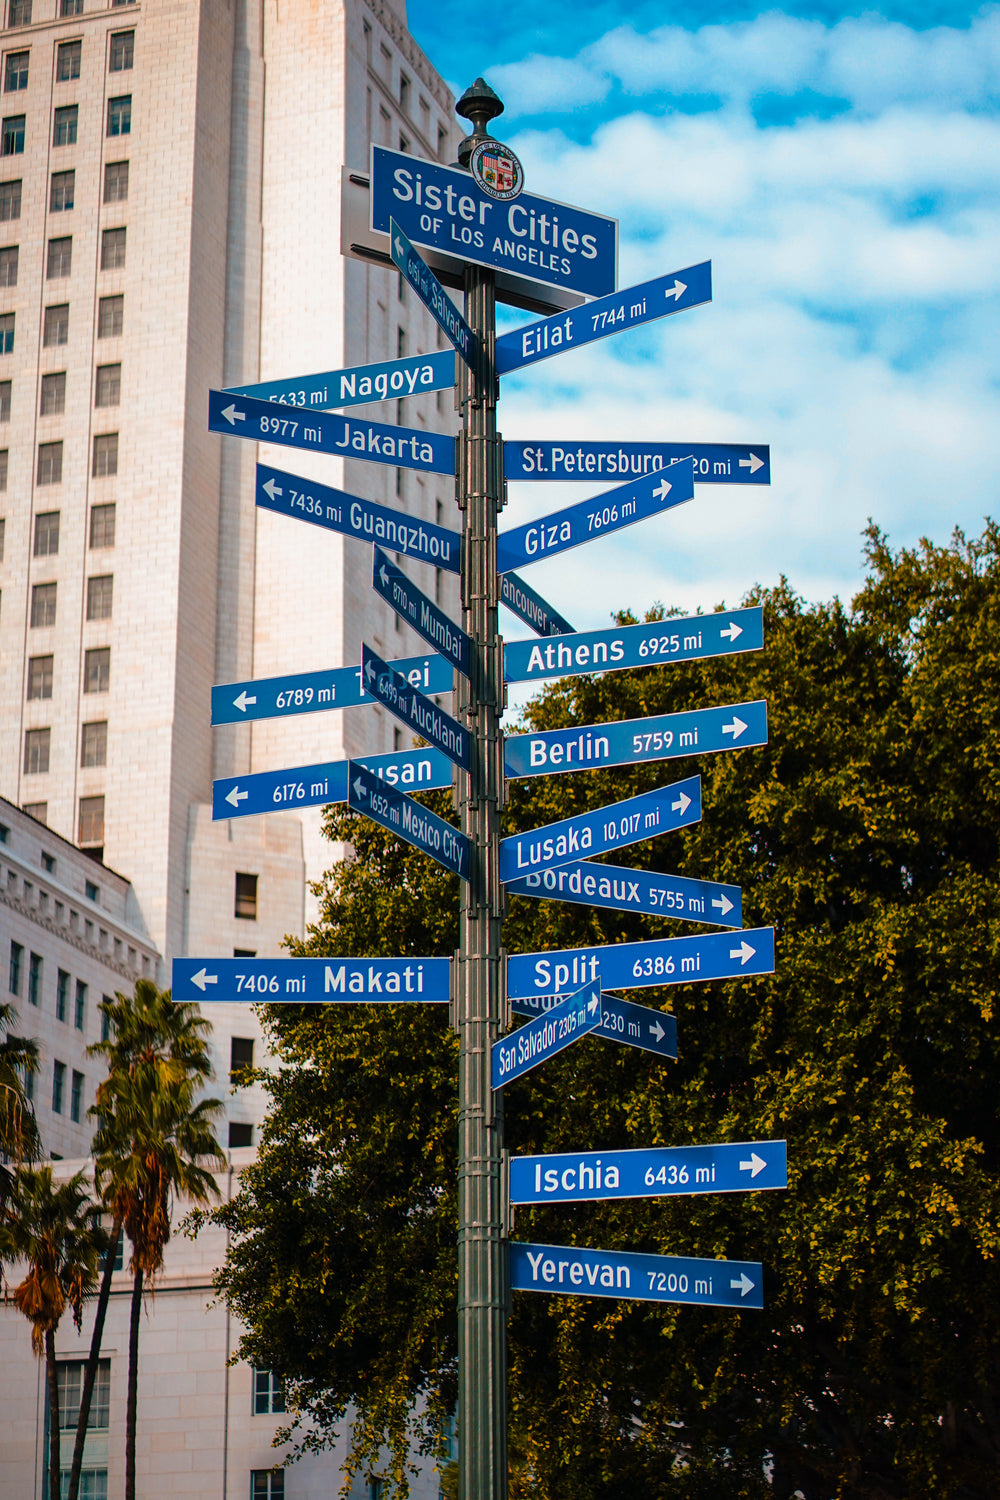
(232, 415)
(359, 788)
(203, 977)
(271, 489)
(234, 797)
(242, 701)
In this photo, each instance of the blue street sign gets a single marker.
(421, 770)
(714, 463)
(298, 981)
(647, 965)
(367, 793)
(633, 741)
(665, 1172)
(725, 633)
(632, 1025)
(420, 613)
(336, 510)
(595, 517)
(325, 432)
(310, 692)
(596, 320)
(541, 1039)
(646, 891)
(576, 1272)
(410, 707)
(531, 607)
(433, 295)
(612, 827)
(387, 380)
(537, 238)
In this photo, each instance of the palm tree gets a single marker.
(153, 1133)
(56, 1230)
(18, 1131)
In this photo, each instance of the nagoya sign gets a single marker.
(644, 891)
(633, 741)
(336, 510)
(648, 965)
(640, 1278)
(324, 432)
(596, 320)
(311, 692)
(313, 786)
(443, 209)
(612, 827)
(714, 463)
(635, 645)
(592, 518)
(385, 381)
(421, 714)
(420, 613)
(433, 295)
(586, 1176)
(367, 794)
(310, 980)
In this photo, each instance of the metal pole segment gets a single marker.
(482, 1251)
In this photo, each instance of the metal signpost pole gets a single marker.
(482, 1267)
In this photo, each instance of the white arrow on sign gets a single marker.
(400, 251)
(203, 977)
(242, 701)
(662, 490)
(370, 672)
(233, 416)
(723, 903)
(677, 290)
(234, 797)
(753, 463)
(742, 1286)
(732, 632)
(384, 576)
(593, 1004)
(681, 805)
(736, 728)
(744, 952)
(271, 489)
(658, 1031)
(754, 1165)
(359, 788)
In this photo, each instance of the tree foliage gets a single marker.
(866, 832)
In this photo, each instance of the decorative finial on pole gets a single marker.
(480, 105)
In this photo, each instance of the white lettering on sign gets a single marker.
(558, 1273)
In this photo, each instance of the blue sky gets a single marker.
(841, 170)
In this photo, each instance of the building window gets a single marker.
(267, 1484)
(122, 51)
(60, 258)
(14, 973)
(15, 72)
(50, 463)
(10, 200)
(110, 317)
(12, 136)
(240, 1058)
(116, 182)
(92, 892)
(94, 744)
(5, 390)
(240, 1134)
(75, 1096)
(69, 1374)
(58, 1086)
(113, 250)
(91, 824)
(19, 13)
(102, 526)
(37, 810)
(80, 1005)
(116, 3)
(8, 265)
(37, 743)
(48, 862)
(99, 593)
(105, 454)
(120, 115)
(34, 978)
(7, 333)
(43, 604)
(246, 897)
(29, 1085)
(53, 394)
(64, 125)
(68, 61)
(40, 676)
(71, 8)
(62, 192)
(62, 992)
(56, 325)
(47, 533)
(404, 93)
(97, 670)
(268, 1393)
(108, 388)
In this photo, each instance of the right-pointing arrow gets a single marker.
(753, 463)
(658, 1031)
(723, 903)
(681, 805)
(742, 1286)
(736, 728)
(271, 489)
(677, 290)
(744, 952)
(203, 977)
(754, 1165)
(732, 632)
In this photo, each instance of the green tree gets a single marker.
(55, 1229)
(18, 1129)
(154, 1133)
(865, 832)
